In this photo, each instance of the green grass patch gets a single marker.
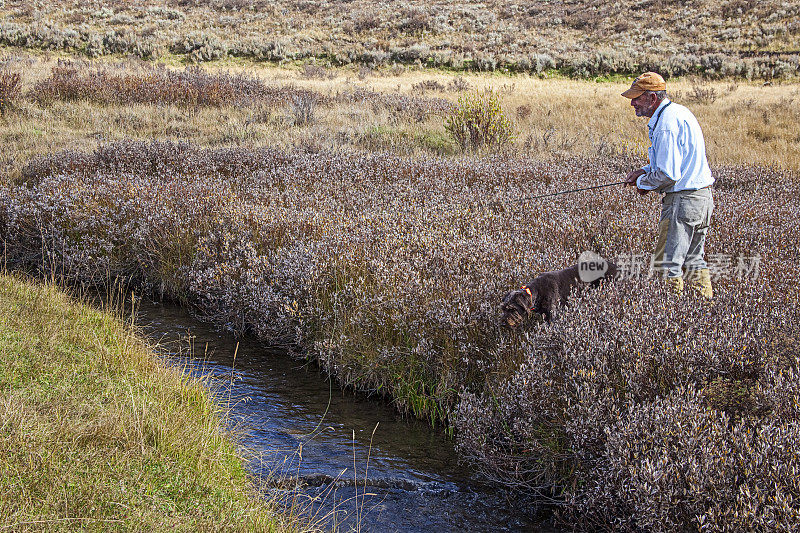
(436, 141)
(97, 432)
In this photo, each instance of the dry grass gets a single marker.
(745, 124)
(97, 433)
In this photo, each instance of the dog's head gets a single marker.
(518, 306)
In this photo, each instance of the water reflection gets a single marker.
(360, 465)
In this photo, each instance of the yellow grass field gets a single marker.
(744, 123)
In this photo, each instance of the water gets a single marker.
(337, 457)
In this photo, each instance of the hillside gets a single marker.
(583, 38)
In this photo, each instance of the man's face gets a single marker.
(643, 104)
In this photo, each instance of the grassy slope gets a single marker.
(503, 31)
(95, 431)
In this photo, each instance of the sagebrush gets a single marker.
(478, 121)
(10, 89)
(582, 39)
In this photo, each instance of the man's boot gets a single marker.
(676, 284)
(700, 280)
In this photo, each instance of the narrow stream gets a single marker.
(360, 465)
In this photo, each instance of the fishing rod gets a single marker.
(572, 190)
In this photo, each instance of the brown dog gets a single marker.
(545, 294)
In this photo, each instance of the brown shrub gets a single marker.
(427, 85)
(190, 87)
(71, 81)
(10, 89)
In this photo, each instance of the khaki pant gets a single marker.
(685, 218)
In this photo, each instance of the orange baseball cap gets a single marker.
(649, 81)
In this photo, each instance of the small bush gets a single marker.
(415, 21)
(459, 85)
(427, 85)
(10, 87)
(311, 71)
(303, 107)
(479, 121)
(200, 47)
(702, 94)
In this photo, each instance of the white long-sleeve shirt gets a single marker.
(677, 152)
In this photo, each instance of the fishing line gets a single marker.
(570, 191)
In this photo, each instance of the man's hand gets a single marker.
(633, 175)
(630, 181)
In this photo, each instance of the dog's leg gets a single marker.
(550, 312)
(546, 306)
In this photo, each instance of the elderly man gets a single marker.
(679, 170)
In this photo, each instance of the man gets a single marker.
(679, 170)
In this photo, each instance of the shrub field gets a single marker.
(122, 85)
(636, 410)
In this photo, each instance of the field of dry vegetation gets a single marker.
(76, 105)
(388, 271)
(330, 210)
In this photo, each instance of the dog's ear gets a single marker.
(517, 300)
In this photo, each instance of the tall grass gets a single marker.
(98, 433)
